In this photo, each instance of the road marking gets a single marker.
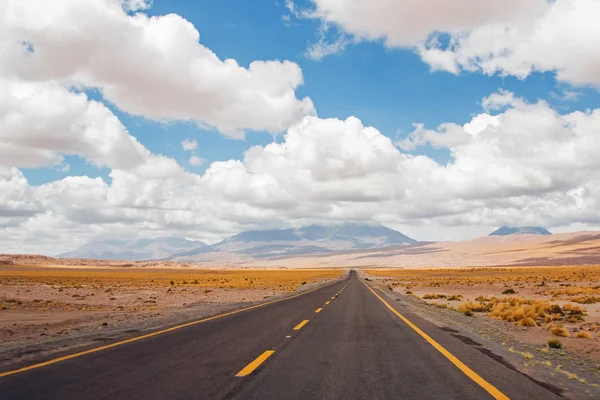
(108, 346)
(248, 369)
(488, 387)
(333, 298)
(300, 325)
(318, 310)
(327, 302)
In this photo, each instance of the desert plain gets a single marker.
(530, 302)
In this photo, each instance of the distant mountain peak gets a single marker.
(522, 230)
(305, 240)
(133, 249)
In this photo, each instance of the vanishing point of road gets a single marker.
(343, 340)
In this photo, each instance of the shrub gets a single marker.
(408, 292)
(473, 306)
(584, 335)
(509, 291)
(172, 283)
(554, 344)
(468, 313)
(455, 297)
(559, 330)
(527, 321)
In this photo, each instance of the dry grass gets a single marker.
(434, 296)
(584, 335)
(285, 280)
(541, 276)
(81, 284)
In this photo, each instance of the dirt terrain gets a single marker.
(544, 321)
(46, 309)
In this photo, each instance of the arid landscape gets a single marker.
(44, 309)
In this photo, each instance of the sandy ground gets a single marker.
(575, 368)
(48, 310)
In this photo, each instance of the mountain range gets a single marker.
(135, 249)
(259, 244)
(264, 244)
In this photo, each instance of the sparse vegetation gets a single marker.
(509, 291)
(554, 344)
(584, 335)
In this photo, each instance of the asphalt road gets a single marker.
(354, 347)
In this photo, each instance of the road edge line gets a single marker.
(488, 387)
(156, 333)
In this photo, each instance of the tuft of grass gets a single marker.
(584, 335)
(434, 296)
(554, 344)
(559, 330)
(527, 321)
(468, 313)
(455, 297)
(509, 291)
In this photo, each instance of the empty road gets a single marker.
(341, 341)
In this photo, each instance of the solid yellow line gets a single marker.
(248, 369)
(318, 309)
(300, 325)
(488, 387)
(327, 302)
(108, 346)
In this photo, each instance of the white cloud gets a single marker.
(563, 39)
(507, 37)
(39, 122)
(189, 145)
(515, 163)
(402, 23)
(162, 73)
(196, 161)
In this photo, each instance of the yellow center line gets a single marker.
(327, 302)
(108, 346)
(300, 325)
(248, 369)
(333, 298)
(318, 310)
(488, 387)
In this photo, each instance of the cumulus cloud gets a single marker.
(39, 122)
(163, 72)
(516, 162)
(506, 37)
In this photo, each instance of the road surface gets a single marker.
(341, 341)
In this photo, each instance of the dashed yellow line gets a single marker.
(300, 325)
(333, 298)
(248, 369)
(488, 387)
(148, 335)
(318, 310)
(327, 302)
